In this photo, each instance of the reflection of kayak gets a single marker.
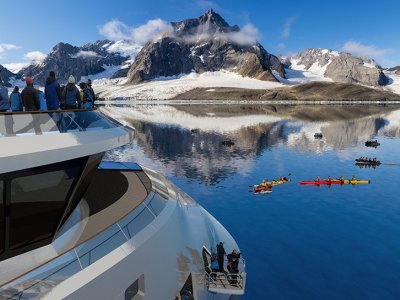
(346, 181)
(370, 163)
(318, 182)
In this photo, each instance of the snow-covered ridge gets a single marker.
(168, 87)
(123, 47)
(317, 64)
(394, 82)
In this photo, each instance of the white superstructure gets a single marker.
(73, 227)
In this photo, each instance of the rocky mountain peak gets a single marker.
(204, 44)
(66, 59)
(65, 47)
(5, 76)
(340, 66)
(208, 23)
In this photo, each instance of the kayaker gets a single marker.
(353, 178)
(318, 179)
(341, 178)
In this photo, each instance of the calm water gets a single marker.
(299, 242)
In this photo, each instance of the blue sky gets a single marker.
(365, 28)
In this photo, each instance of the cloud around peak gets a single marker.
(367, 51)
(116, 30)
(35, 56)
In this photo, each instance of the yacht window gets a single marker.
(136, 290)
(37, 204)
(2, 224)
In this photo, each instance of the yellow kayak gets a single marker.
(346, 181)
(279, 181)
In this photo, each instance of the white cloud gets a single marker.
(85, 54)
(287, 27)
(248, 35)
(7, 47)
(16, 67)
(116, 30)
(151, 29)
(369, 51)
(35, 56)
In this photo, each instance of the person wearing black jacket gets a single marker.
(30, 96)
(220, 256)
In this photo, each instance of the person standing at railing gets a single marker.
(4, 103)
(220, 256)
(88, 95)
(71, 95)
(30, 96)
(15, 100)
(233, 261)
(52, 92)
(214, 263)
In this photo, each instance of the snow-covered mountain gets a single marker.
(6, 76)
(113, 59)
(316, 64)
(395, 70)
(204, 44)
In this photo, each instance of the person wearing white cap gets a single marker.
(71, 95)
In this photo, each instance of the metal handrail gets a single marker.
(234, 279)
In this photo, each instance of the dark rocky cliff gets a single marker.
(206, 43)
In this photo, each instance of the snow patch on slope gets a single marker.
(166, 88)
(125, 48)
(297, 73)
(108, 72)
(394, 84)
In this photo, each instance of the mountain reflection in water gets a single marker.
(190, 145)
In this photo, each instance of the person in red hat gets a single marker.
(30, 96)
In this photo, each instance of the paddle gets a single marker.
(284, 176)
(391, 164)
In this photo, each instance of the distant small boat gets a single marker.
(372, 143)
(228, 143)
(318, 135)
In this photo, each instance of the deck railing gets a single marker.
(42, 280)
(226, 282)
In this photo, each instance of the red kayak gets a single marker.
(258, 189)
(318, 182)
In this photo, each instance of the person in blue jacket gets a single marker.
(4, 103)
(52, 92)
(15, 100)
(42, 100)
